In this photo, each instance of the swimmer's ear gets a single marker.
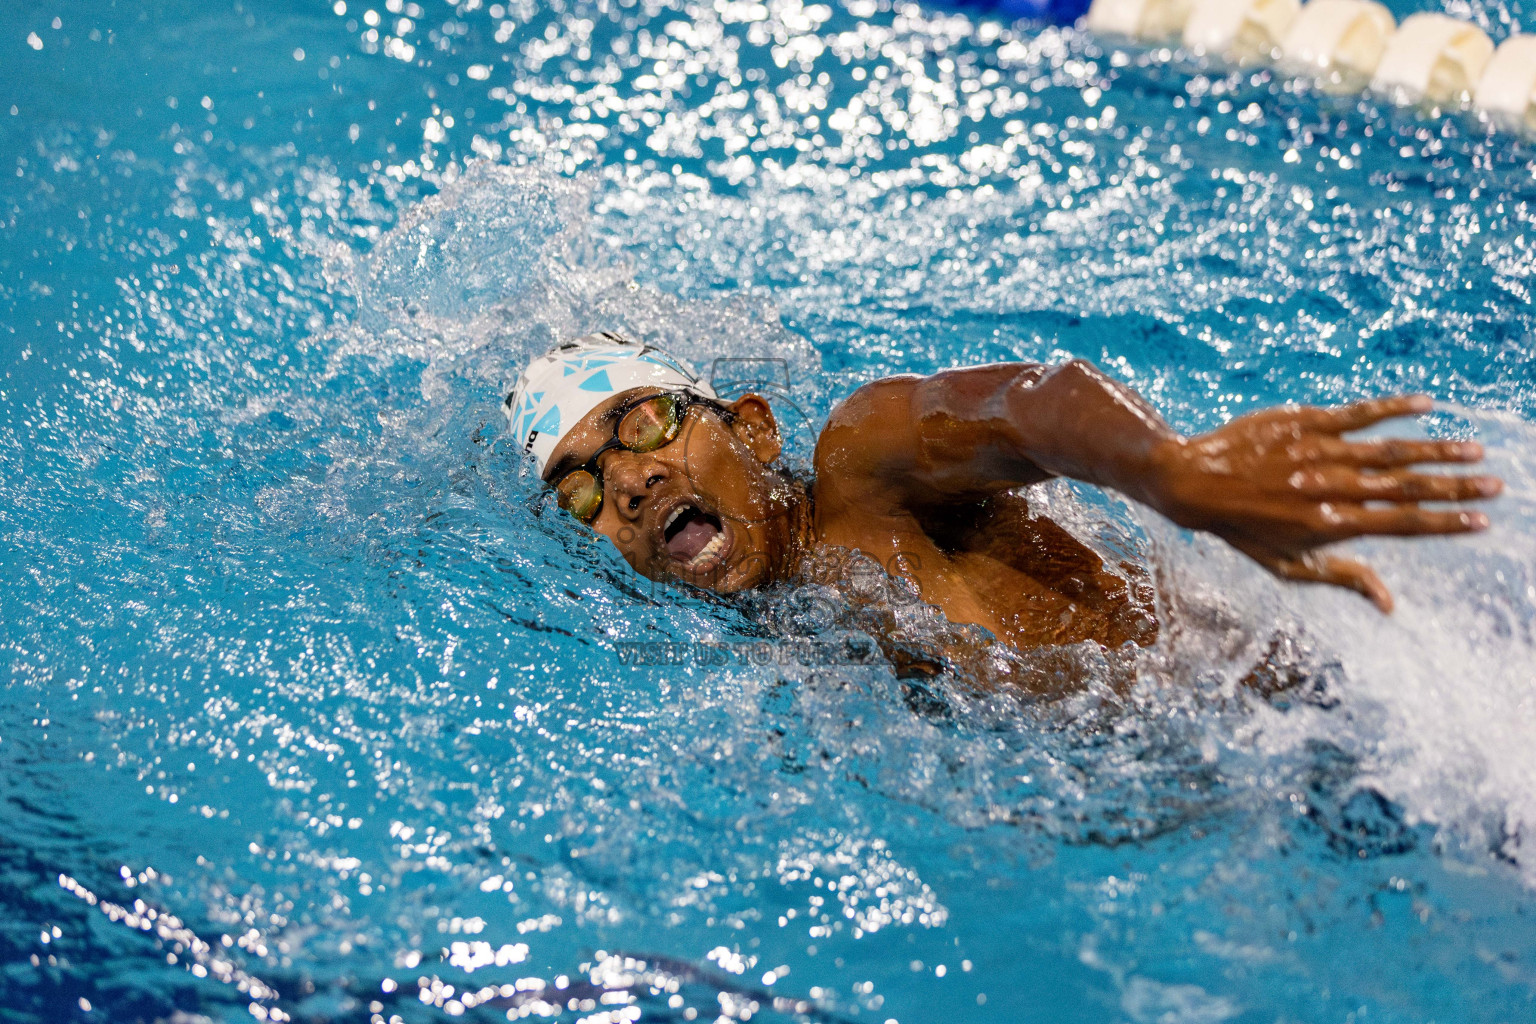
(756, 428)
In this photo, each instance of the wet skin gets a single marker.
(924, 475)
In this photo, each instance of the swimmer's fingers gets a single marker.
(1390, 453)
(1404, 521)
(1316, 567)
(1339, 572)
(1360, 415)
(1336, 484)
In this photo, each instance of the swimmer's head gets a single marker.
(640, 449)
(575, 377)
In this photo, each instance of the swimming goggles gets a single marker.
(640, 426)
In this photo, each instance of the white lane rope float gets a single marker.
(1344, 45)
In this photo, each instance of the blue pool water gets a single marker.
(311, 710)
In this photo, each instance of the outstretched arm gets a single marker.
(1278, 485)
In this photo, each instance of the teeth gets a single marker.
(673, 517)
(713, 548)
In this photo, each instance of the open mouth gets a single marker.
(693, 537)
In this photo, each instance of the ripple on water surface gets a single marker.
(314, 709)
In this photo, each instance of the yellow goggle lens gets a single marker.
(650, 424)
(579, 494)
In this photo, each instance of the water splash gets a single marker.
(285, 621)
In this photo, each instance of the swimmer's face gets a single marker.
(705, 509)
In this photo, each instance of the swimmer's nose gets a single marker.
(632, 479)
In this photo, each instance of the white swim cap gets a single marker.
(571, 379)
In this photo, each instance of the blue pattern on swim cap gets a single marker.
(597, 382)
(550, 422)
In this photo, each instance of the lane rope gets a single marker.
(1432, 60)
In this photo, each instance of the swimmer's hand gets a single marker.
(1279, 485)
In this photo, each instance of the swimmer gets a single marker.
(929, 476)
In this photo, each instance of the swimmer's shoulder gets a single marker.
(902, 434)
(871, 409)
(864, 446)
